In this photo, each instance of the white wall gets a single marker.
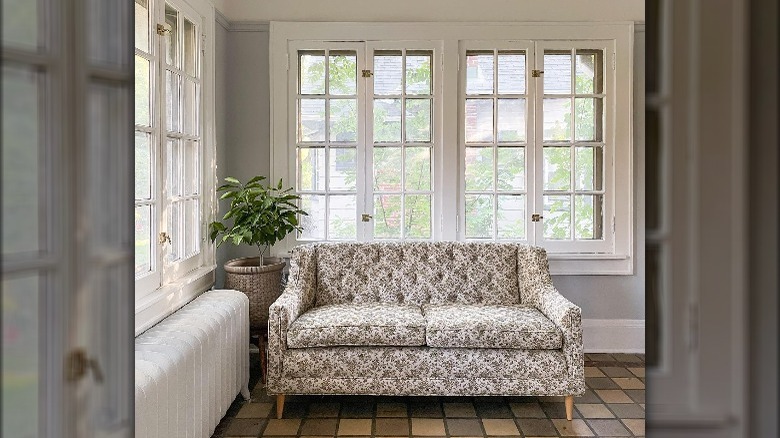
(614, 306)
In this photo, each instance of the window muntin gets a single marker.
(495, 109)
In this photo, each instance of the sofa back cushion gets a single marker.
(417, 273)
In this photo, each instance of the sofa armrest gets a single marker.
(568, 318)
(297, 298)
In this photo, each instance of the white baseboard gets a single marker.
(613, 335)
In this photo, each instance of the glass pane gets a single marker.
(479, 72)
(387, 120)
(141, 24)
(511, 73)
(173, 166)
(418, 120)
(387, 162)
(511, 218)
(589, 79)
(342, 222)
(143, 240)
(172, 100)
(342, 73)
(311, 120)
(557, 119)
(417, 223)
(479, 216)
(588, 168)
(479, 120)
(588, 213)
(191, 107)
(20, 360)
(418, 168)
(312, 71)
(192, 227)
(191, 167)
(418, 72)
(172, 37)
(190, 48)
(557, 217)
(314, 223)
(343, 169)
(142, 101)
(557, 169)
(388, 72)
(387, 217)
(175, 231)
(589, 119)
(343, 120)
(311, 169)
(20, 24)
(557, 72)
(511, 168)
(21, 161)
(479, 168)
(143, 166)
(511, 120)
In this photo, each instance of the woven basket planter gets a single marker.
(262, 284)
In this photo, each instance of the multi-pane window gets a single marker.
(496, 140)
(402, 104)
(364, 142)
(573, 144)
(168, 142)
(327, 143)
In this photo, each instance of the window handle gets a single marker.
(365, 217)
(536, 217)
(164, 237)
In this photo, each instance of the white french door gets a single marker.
(365, 139)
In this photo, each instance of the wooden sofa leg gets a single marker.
(279, 405)
(569, 406)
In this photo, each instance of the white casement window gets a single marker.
(500, 132)
(364, 149)
(171, 145)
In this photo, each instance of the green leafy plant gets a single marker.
(259, 215)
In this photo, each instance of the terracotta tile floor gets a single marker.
(613, 406)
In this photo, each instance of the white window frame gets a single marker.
(616, 260)
(184, 280)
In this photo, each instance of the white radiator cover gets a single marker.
(190, 366)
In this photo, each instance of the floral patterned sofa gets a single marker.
(423, 318)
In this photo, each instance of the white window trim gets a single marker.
(151, 308)
(618, 262)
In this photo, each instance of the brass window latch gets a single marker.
(367, 73)
(365, 217)
(78, 364)
(162, 30)
(537, 73)
(536, 217)
(164, 237)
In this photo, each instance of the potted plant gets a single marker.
(260, 216)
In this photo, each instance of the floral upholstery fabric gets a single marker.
(337, 274)
(489, 326)
(417, 273)
(373, 324)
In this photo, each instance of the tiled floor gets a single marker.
(613, 406)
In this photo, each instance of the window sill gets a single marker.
(590, 264)
(154, 307)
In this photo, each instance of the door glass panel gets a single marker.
(192, 227)
(417, 220)
(173, 167)
(588, 113)
(388, 72)
(588, 162)
(511, 168)
(343, 120)
(311, 169)
(418, 120)
(557, 72)
(311, 120)
(342, 73)
(20, 23)
(387, 161)
(557, 119)
(172, 37)
(143, 240)
(590, 78)
(143, 166)
(387, 216)
(479, 72)
(175, 248)
(417, 168)
(557, 217)
(172, 100)
(190, 48)
(191, 107)
(22, 158)
(588, 210)
(511, 120)
(479, 120)
(314, 223)
(479, 216)
(191, 167)
(312, 72)
(20, 359)
(142, 97)
(387, 120)
(342, 224)
(511, 73)
(557, 168)
(142, 29)
(511, 217)
(343, 169)
(418, 72)
(479, 168)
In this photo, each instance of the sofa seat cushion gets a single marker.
(368, 324)
(490, 326)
